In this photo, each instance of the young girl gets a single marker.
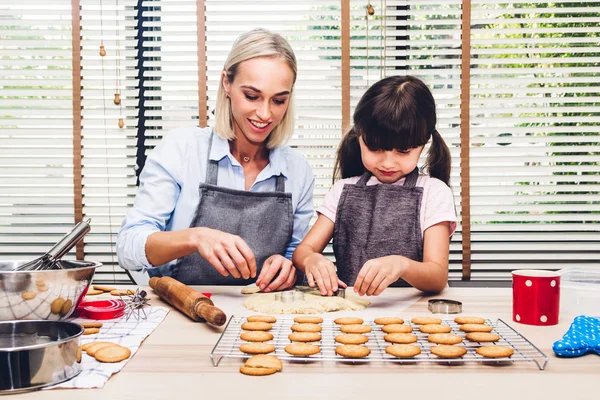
(390, 225)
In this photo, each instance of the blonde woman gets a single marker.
(227, 205)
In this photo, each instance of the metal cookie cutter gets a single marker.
(445, 306)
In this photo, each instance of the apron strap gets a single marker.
(364, 179)
(280, 184)
(411, 179)
(212, 167)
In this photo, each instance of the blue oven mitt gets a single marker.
(582, 337)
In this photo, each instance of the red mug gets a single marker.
(536, 297)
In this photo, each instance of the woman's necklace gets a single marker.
(246, 159)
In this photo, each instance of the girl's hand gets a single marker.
(227, 253)
(379, 273)
(320, 271)
(285, 279)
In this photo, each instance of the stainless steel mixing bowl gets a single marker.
(34, 354)
(43, 295)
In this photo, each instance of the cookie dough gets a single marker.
(312, 304)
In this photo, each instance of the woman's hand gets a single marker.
(228, 254)
(320, 271)
(268, 279)
(379, 273)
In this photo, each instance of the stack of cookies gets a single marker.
(256, 334)
(305, 332)
(478, 331)
(106, 352)
(352, 338)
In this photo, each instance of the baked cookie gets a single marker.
(448, 351)
(355, 328)
(388, 321)
(264, 361)
(262, 318)
(425, 320)
(91, 331)
(403, 350)
(56, 305)
(306, 328)
(435, 328)
(95, 346)
(308, 320)
(112, 354)
(404, 338)
(397, 328)
(257, 348)
(304, 336)
(469, 320)
(91, 324)
(256, 336)
(482, 337)
(444, 338)
(495, 351)
(257, 371)
(93, 292)
(28, 295)
(104, 288)
(302, 349)
(351, 338)
(257, 326)
(352, 351)
(348, 321)
(476, 328)
(66, 307)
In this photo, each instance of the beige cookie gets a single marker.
(91, 331)
(93, 292)
(351, 338)
(264, 361)
(305, 336)
(42, 289)
(352, 351)
(262, 318)
(257, 371)
(91, 324)
(348, 321)
(495, 351)
(66, 307)
(257, 348)
(122, 292)
(355, 328)
(104, 288)
(40, 282)
(448, 351)
(306, 328)
(444, 338)
(308, 320)
(95, 346)
(482, 337)
(257, 326)
(112, 354)
(256, 336)
(400, 338)
(469, 320)
(403, 350)
(250, 289)
(28, 295)
(397, 328)
(425, 320)
(302, 349)
(476, 328)
(56, 305)
(435, 328)
(389, 321)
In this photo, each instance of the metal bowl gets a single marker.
(34, 354)
(43, 295)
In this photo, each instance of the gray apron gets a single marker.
(376, 221)
(263, 219)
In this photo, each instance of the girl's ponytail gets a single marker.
(438, 161)
(348, 161)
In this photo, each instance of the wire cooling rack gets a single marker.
(524, 351)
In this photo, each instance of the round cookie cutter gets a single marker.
(445, 306)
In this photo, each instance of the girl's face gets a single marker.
(259, 97)
(389, 166)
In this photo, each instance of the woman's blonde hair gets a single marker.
(256, 43)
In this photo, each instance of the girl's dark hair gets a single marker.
(397, 112)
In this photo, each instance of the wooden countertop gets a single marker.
(174, 362)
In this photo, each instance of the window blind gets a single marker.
(36, 150)
(535, 109)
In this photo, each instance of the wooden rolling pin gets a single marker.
(190, 302)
